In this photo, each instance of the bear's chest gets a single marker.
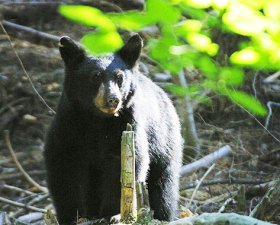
(102, 140)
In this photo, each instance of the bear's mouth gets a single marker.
(109, 110)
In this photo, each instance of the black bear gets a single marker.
(82, 151)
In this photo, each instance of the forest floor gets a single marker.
(255, 157)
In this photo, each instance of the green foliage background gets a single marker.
(185, 39)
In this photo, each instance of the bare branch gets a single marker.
(198, 185)
(230, 180)
(37, 199)
(31, 31)
(17, 204)
(16, 175)
(28, 178)
(12, 188)
(206, 160)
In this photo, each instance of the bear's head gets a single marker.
(101, 84)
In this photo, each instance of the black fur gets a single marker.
(82, 150)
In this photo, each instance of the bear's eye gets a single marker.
(95, 77)
(119, 78)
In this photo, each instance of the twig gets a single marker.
(24, 70)
(271, 78)
(225, 204)
(199, 183)
(28, 178)
(225, 181)
(269, 104)
(30, 203)
(254, 84)
(206, 161)
(13, 203)
(19, 100)
(9, 187)
(17, 175)
(274, 137)
(31, 31)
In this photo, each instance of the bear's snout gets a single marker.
(113, 101)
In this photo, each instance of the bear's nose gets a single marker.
(113, 101)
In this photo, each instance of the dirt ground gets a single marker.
(255, 154)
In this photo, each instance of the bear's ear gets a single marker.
(70, 51)
(130, 52)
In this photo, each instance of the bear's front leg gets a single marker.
(163, 188)
(110, 192)
(65, 183)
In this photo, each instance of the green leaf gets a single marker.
(243, 20)
(193, 12)
(202, 43)
(200, 4)
(102, 42)
(188, 25)
(247, 56)
(248, 102)
(271, 9)
(87, 16)
(176, 89)
(231, 76)
(162, 11)
(131, 20)
(207, 66)
(220, 4)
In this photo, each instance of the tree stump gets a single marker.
(269, 207)
(128, 191)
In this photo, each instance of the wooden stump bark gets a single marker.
(128, 190)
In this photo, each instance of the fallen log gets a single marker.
(219, 218)
(206, 160)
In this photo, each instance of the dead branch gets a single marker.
(37, 199)
(206, 160)
(29, 218)
(32, 32)
(21, 205)
(219, 218)
(17, 189)
(230, 180)
(24, 70)
(269, 104)
(17, 175)
(223, 207)
(198, 185)
(27, 177)
(188, 123)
